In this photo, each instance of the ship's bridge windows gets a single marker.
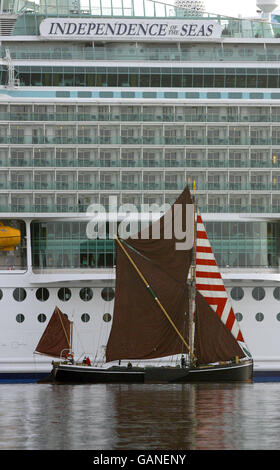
(19, 294)
(64, 294)
(42, 294)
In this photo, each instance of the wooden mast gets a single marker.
(153, 294)
(192, 282)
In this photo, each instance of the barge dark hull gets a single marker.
(64, 373)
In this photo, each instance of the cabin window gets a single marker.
(276, 293)
(107, 317)
(19, 294)
(20, 318)
(85, 317)
(41, 317)
(64, 294)
(86, 294)
(238, 316)
(107, 293)
(42, 294)
(1, 294)
(258, 293)
(237, 293)
(259, 316)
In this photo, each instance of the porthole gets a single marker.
(276, 293)
(258, 293)
(239, 316)
(259, 316)
(107, 293)
(64, 294)
(278, 316)
(237, 293)
(20, 318)
(1, 294)
(41, 317)
(107, 317)
(86, 294)
(42, 294)
(85, 317)
(19, 294)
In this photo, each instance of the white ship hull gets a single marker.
(19, 340)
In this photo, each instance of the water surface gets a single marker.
(139, 417)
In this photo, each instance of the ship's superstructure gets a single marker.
(128, 102)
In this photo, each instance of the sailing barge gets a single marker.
(168, 302)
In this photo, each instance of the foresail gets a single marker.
(209, 281)
(213, 341)
(55, 341)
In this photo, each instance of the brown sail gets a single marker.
(162, 250)
(213, 341)
(55, 340)
(140, 330)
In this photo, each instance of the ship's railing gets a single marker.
(78, 208)
(140, 140)
(139, 186)
(171, 54)
(182, 118)
(139, 163)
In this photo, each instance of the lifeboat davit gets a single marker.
(9, 237)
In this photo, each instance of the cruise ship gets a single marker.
(126, 102)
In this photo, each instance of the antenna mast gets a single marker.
(12, 81)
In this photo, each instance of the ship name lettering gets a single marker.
(195, 30)
(129, 29)
(105, 29)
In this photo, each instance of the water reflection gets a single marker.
(122, 417)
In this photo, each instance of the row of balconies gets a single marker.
(48, 208)
(139, 140)
(141, 117)
(139, 163)
(139, 186)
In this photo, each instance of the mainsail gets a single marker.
(162, 250)
(216, 328)
(56, 341)
(140, 330)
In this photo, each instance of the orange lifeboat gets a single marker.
(9, 237)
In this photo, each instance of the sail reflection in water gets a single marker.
(152, 417)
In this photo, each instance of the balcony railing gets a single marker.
(140, 117)
(77, 208)
(139, 140)
(137, 186)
